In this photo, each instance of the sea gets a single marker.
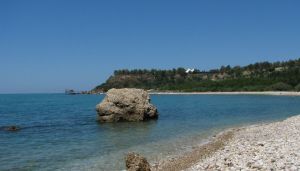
(61, 132)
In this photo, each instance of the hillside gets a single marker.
(262, 76)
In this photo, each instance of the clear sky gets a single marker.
(50, 45)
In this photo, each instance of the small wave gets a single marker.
(42, 126)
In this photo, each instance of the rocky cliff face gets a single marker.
(126, 105)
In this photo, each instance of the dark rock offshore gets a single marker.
(126, 105)
(12, 128)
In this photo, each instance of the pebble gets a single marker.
(274, 146)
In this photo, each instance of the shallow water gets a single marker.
(60, 132)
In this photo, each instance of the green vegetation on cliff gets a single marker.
(263, 76)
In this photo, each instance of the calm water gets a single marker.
(59, 132)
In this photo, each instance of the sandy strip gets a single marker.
(270, 146)
(274, 93)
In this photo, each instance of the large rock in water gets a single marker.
(126, 105)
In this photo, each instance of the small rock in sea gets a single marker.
(127, 104)
(135, 162)
(12, 128)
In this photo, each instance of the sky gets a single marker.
(50, 45)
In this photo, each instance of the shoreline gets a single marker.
(252, 147)
(273, 93)
(187, 159)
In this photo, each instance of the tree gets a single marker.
(254, 77)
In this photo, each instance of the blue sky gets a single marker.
(50, 45)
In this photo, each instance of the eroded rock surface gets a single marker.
(126, 105)
(135, 162)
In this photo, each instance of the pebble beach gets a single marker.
(268, 146)
(273, 146)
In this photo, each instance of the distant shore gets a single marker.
(274, 93)
(269, 146)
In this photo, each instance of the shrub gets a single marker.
(297, 87)
(280, 87)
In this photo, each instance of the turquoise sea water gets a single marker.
(60, 132)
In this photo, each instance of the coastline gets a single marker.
(266, 146)
(273, 93)
(203, 150)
